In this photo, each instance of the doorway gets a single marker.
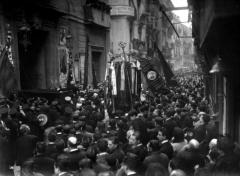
(96, 66)
(31, 45)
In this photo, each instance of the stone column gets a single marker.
(120, 24)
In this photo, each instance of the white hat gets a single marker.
(82, 99)
(72, 140)
(201, 113)
(67, 98)
(213, 143)
(95, 94)
(78, 105)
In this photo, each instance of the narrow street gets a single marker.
(119, 88)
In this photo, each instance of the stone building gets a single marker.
(182, 49)
(216, 34)
(56, 43)
(140, 24)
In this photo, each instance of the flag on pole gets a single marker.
(154, 79)
(167, 71)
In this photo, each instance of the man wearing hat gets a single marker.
(68, 102)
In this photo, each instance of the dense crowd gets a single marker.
(171, 133)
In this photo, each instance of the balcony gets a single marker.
(97, 13)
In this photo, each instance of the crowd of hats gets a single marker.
(82, 121)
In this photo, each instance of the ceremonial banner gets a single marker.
(113, 80)
(167, 71)
(154, 79)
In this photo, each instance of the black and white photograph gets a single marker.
(119, 88)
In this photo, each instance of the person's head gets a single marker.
(213, 155)
(203, 118)
(140, 115)
(156, 112)
(85, 163)
(162, 134)
(225, 145)
(156, 169)
(52, 136)
(40, 148)
(112, 143)
(194, 144)
(132, 114)
(92, 152)
(60, 145)
(24, 129)
(87, 172)
(178, 172)
(121, 125)
(106, 173)
(41, 168)
(102, 145)
(178, 134)
(72, 142)
(131, 162)
(212, 144)
(62, 164)
(187, 161)
(129, 133)
(134, 139)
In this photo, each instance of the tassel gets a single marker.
(113, 80)
(122, 83)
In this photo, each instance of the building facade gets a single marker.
(53, 43)
(182, 48)
(97, 17)
(141, 25)
(216, 40)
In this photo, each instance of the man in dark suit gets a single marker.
(50, 146)
(155, 155)
(42, 164)
(116, 154)
(136, 147)
(102, 154)
(25, 145)
(165, 145)
(201, 127)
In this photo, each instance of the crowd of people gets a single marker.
(171, 133)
